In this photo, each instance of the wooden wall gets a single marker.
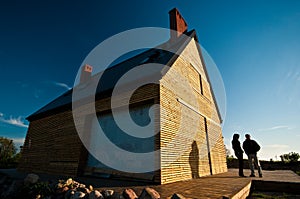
(52, 144)
(189, 121)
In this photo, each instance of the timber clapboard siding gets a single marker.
(187, 122)
(52, 146)
(189, 67)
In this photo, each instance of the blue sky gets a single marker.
(255, 45)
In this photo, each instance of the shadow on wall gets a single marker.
(194, 160)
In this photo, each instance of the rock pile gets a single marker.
(31, 187)
(70, 189)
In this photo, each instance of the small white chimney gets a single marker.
(86, 73)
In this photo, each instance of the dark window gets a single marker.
(200, 86)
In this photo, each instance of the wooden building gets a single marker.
(187, 118)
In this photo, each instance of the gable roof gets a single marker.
(111, 75)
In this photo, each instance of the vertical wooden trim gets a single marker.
(208, 147)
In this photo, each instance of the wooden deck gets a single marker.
(226, 185)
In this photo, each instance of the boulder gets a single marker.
(81, 186)
(129, 194)
(61, 190)
(107, 193)
(149, 193)
(77, 195)
(84, 190)
(69, 193)
(31, 179)
(95, 195)
(116, 195)
(177, 196)
(69, 182)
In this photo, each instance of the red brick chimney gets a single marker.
(86, 73)
(177, 23)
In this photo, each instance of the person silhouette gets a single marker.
(236, 146)
(251, 148)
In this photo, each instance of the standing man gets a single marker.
(236, 146)
(251, 148)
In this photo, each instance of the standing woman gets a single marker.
(236, 146)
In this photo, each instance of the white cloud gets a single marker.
(277, 146)
(18, 141)
(19, 122)
(276, 128)
(40, 89)
(63, 85)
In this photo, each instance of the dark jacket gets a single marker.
(250, 147)
(236, 146)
